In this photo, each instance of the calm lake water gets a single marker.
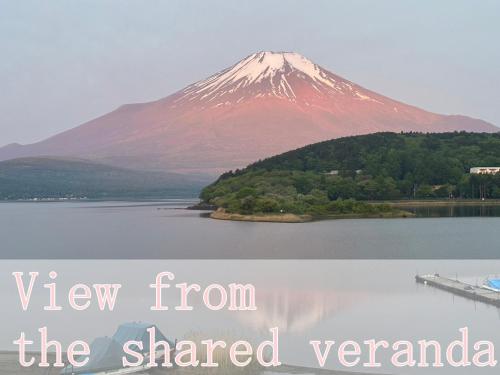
(357, 283)
(306, 299)
(162, 230)
(457, 211)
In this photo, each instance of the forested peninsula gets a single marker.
(357, 175)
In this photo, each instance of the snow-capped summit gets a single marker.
(277, 74)
(265, 104)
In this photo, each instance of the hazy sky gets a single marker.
(65, 62)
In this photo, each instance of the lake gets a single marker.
(336, 280)
(456, 210)
(306, 299)
(163, 230)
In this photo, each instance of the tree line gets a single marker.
(381, 166)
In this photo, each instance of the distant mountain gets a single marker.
(27, 178)
(265, 104)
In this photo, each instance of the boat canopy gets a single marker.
(494, 284)
(106, 353)
(138, 332)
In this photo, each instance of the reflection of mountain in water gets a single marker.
(296, 311)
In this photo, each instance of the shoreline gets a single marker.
(441, 202)
(8, 361)
(294, 218)
(261, 218)
(398, 211)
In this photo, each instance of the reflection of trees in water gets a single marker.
(456, 210)
(296, 311)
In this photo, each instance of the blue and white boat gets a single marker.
(106, 353)
(492, 284)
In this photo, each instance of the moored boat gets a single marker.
(106, 353)
(492, 284)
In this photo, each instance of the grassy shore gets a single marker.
(394, 214)
(398, 210)
(221, 214)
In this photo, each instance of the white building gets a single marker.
(333, 172)
(485, 170)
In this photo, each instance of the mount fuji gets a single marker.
(267, 103)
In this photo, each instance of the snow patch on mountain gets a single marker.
(270, 74)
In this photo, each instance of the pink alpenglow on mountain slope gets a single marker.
(266, 104)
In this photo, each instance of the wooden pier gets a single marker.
(476, 293)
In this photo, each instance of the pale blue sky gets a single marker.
(67, 61)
